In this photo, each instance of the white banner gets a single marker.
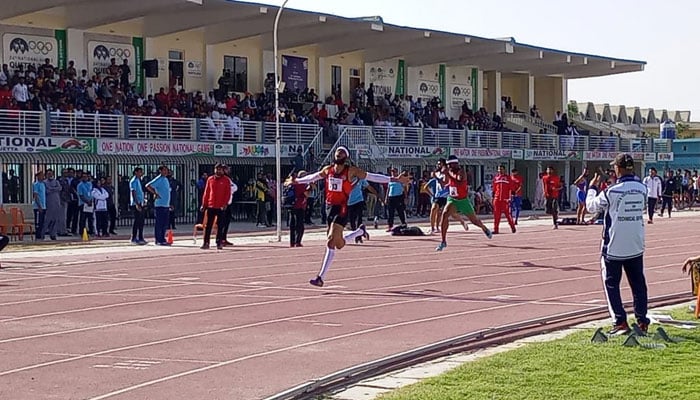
(382, 74)
(610, 155)
(552, 155)
(411, 151)
(100, 53)
(460, 88)
(480, 154)
(153, 148)
(19, 49)
(664, 157)
(193, 69)
(424, 82)
(248, 150)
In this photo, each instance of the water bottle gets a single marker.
(376, 222)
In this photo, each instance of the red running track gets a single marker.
(244, 323)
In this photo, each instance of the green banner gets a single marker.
(475, 89)
(41, 144)
(61, 42)
(138, 60)
(443, 84)
(401, 78)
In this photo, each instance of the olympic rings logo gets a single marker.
(39, 47)
(119, 52)
(101, 52)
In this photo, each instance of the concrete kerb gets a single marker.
(371, 388)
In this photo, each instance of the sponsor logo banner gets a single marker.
(29, 144)
(248, 150)
(100, 53)
(480, 154)
(517, 154)
(552, 155)
(19, 49)
(194, 69)
(412, 151)
(610, 155)
(663, 157)
(152, 147)
(224, 149)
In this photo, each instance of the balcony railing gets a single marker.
(37, 123)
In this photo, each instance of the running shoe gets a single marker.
(488, 233)
(365, 234)
(317, 281)
(441, 247)
(512, 229)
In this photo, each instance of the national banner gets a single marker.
(412, 151)
(19, 49)
(552, 155)
(480, 154)
(610, 155)
(38, 144)
(153, 148)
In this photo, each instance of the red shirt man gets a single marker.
(552, 186)
(502, 188)
(217, 194)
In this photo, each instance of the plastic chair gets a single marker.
(19, 223)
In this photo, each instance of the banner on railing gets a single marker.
(480, 154)
(153, 148)
(28, 144)
(412, 151)
(664, 157)
(248, 150)
(552, 155)
(610, 155)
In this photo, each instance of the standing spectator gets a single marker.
(261, 193)
(13, 187)
(669, 189)
(160, 188)
(175, 189)
(517, 201)
(111, 205)
(63, 228)
(53, 204)
(623, 241)
(85, 203)
(298, 219)
(654, 192)
(310, 159)
(581, 189)
(539, 193)
(217, 195)
(73, 212)
(551, 185)
(100, 196)
(502, 188)
(20, 93)
(125, 72)
(39, 204)
(136, 203)
(228, 213)
(298, 160)
(395, 200)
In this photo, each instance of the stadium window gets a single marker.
(239, 70)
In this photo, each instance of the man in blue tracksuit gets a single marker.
(624, 204)
(160, 188)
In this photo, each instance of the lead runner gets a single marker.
(457, 201)
(339, 178)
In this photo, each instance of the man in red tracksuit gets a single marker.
(217, 194)
(502, 188)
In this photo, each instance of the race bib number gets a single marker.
(453, 191)
(335, 184)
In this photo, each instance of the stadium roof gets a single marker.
(222, 21)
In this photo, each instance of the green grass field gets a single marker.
(573, 368)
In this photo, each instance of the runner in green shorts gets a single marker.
(457, 201)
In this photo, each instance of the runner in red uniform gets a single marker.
(339, 178)
(552, 186)
(502, 188)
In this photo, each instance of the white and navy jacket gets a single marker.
(624, 205)
(654, 186)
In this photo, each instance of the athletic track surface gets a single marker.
(243, 323)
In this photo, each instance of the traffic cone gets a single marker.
(169, 238)
(85, 235)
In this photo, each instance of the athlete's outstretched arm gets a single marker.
(311, 178)
(377, 178)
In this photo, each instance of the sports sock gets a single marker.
(354, 234)
(327, 260)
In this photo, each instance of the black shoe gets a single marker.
(205, 246)
(317, 281)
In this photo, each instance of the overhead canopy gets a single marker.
(223, 21)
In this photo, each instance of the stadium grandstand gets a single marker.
(104, 86)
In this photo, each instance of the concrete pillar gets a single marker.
(210, 67)
(76, 49)
(480, 89)
(324, 78)
(530, 92)
(493, 79)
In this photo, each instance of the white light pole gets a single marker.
(278, 138)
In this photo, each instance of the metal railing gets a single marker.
(603, 143)
(484, 139)
(443, 137)
(398, 136)
(163, 128)
(86, 125)
(291, 133)
(22, 123)
(526, 119)
(229, 130)
(515, 140)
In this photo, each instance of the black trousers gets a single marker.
(397, 205)
(652, 207)
(612, 275)
(213, 213)
(355, 212)
(666, 201)
(296, 225)
(102, 222)
(87, 221)
(226, 216)
(72, 217)
(112, 209)
(137, 227)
